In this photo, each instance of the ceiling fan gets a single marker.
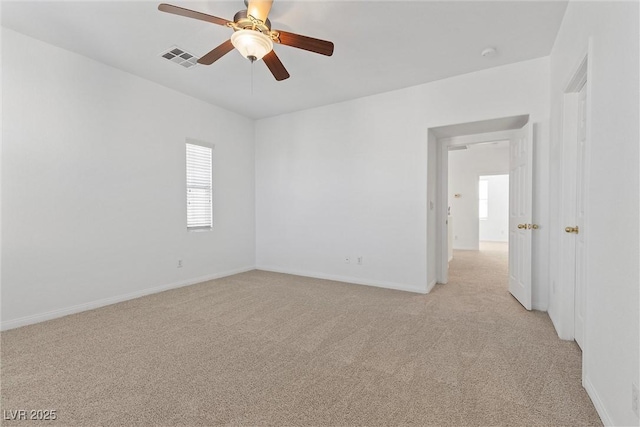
(253, 37)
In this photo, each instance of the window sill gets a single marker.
(199, 230)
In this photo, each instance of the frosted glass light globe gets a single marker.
(251, 44)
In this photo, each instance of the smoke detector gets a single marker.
(490, 51)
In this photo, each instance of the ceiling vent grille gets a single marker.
(180, 56)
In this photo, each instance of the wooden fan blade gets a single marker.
(275, 66)
(259, 9)
(163, 7)
(216, 53)
(307, 43)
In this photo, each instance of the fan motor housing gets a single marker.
(243, 21)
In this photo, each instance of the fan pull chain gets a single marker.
(251, 78)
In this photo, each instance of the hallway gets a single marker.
(489, 264)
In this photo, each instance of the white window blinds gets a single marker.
(199, 188)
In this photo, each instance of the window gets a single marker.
(483, 199)
(199, 188)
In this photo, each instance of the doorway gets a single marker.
(478, 204)
(493, 210)
(478, 194)
(518, 131)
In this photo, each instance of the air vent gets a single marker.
(180, 57)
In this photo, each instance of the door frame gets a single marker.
(578, 78)
(441, 177)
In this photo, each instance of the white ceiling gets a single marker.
(379, 45)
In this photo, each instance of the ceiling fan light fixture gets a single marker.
(252, 44)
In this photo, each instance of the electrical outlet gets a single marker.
(360, 260)
(179, 263)
(347, 260)
(635, 399)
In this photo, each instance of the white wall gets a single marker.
(611, 353)
(495, 228)
(93, 185)
(465, 166)
(351, 179)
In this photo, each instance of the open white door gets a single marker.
(520, 215)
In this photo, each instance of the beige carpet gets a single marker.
(264, 348)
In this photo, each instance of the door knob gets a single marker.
(535, 226)
(575, 229)
(521, 226)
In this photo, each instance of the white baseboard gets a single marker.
(539, 305)
(431, 285)
(41, 317)
(563, 334)
(597, 402)
(345, 279)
